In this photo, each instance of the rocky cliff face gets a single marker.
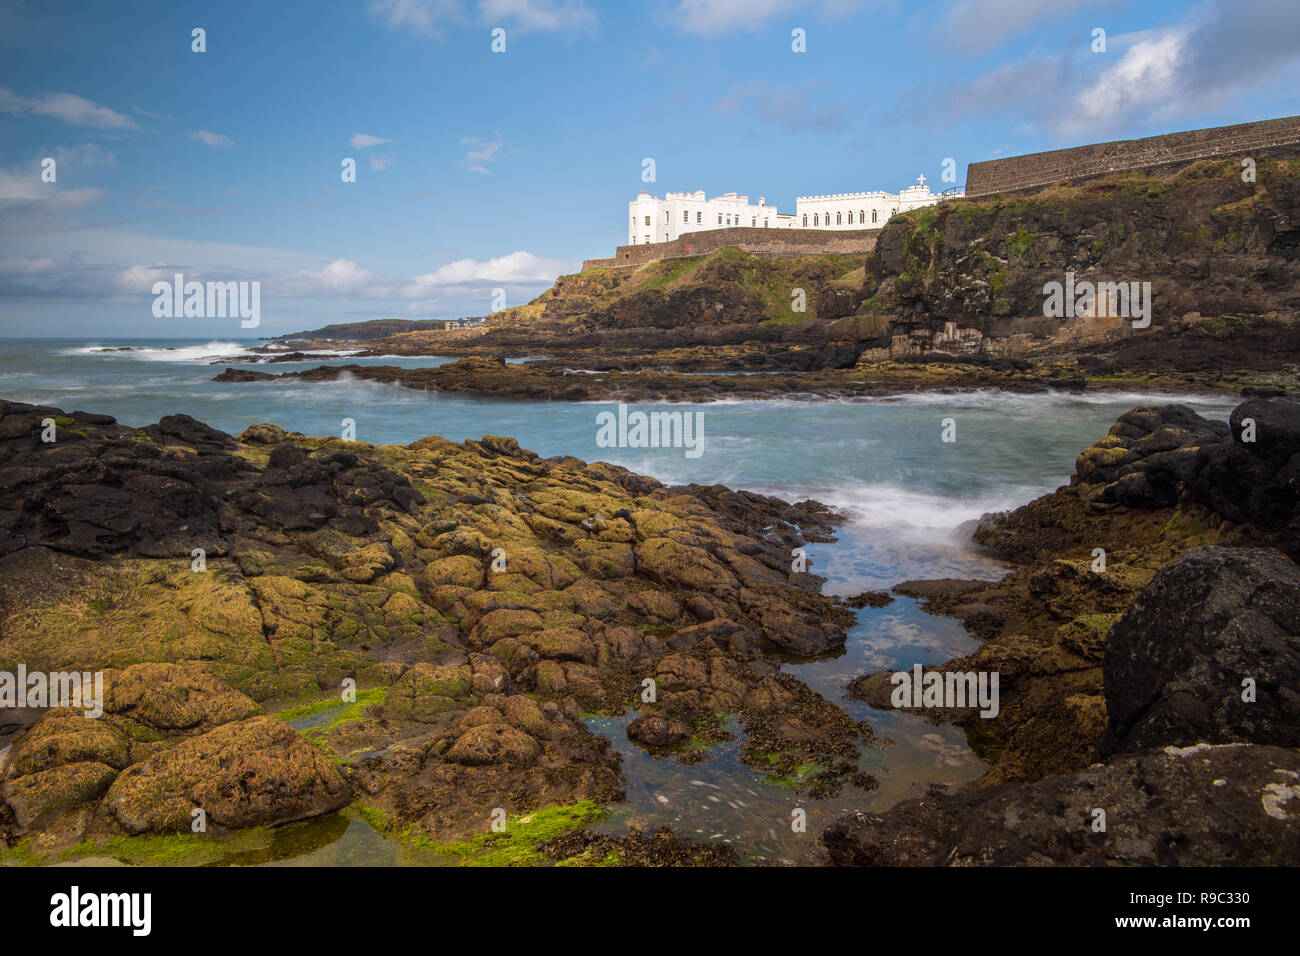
(1222, 258)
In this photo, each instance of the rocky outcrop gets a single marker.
(254, 772)
(1208, 652)
(1228, 805)
(554, 381)
(213, 577)
(1194, 774)
(1167, 653)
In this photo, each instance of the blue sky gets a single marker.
(502, 170)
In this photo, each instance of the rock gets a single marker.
(255, 772)
(1175, 661)
(655, 731)
(492, 744)
(65, 737)
(176, 697)
(55, 790)
(1226, 805)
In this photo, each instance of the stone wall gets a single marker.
(760, 242)
(1172, 149)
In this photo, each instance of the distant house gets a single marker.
(462, 323)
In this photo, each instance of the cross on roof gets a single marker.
(921, 179)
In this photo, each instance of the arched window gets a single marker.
(815, 222)
(862, 216)
(839, 219)
(873, 215)
(805, 220)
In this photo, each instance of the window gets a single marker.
(815, 221)
(839, 219)
(666, 220)
(634, 239)
(686, 216)
(719, 219)
(764, 223)
(862, 215)
(873, 215)
(647, 220)
(647, 239)
(805, 220)
(699, 218)
(753, 220)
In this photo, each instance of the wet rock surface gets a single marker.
(1229, 805)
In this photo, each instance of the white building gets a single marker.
(661, 220)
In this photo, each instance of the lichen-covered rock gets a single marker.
(494, 743)
(266, 571)
(175, 697)
(57, 789)
(254, 772)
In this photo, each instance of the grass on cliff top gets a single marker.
(771, 280)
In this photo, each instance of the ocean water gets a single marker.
(881, 461)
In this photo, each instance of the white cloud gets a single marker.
(1146, 76)
(364, 140)
(380, 163)
(87, 154)
(517, 268)
(157, 116)
(141, 278)
(24, 267)
(711, 18)
(980, 25)
(29, 206)
(67, 107)
(427, 17)
(462, 280)
(215, 140)
(480, 154)
(524, 16)
(342, 276)
(434, 17)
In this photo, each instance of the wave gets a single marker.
(179, 353)
(891, 507)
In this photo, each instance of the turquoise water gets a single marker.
(904, 491)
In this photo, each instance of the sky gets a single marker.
(479, 170)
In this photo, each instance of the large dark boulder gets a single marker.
(1229, 805)
(1175, 662)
